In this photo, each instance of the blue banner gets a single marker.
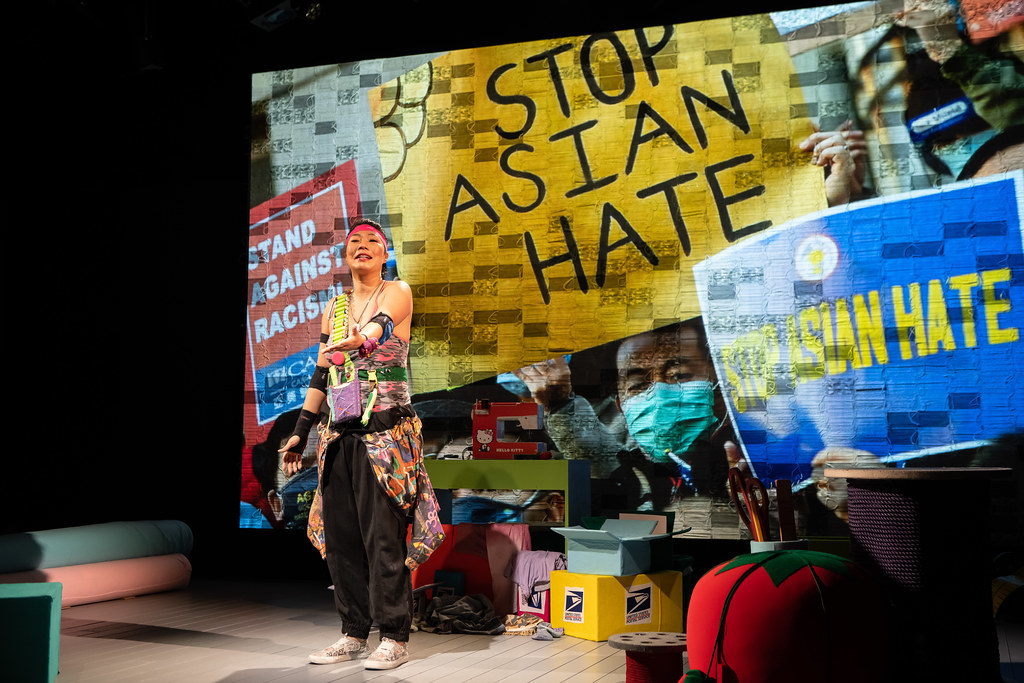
(891, 326)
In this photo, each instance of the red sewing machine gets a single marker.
(490, 437)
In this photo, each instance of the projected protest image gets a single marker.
(581, 180)
(771, 241)
(885, 344)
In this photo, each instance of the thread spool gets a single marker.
(338, 331)
(340, 319)
(651, 657)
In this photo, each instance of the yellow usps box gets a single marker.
(595, 606)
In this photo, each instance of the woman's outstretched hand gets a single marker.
(351, 342)
(291, 460)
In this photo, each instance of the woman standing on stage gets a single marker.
(372, 481)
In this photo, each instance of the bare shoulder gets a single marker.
(399, 288)
(402, 285)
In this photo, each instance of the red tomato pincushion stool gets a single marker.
(787, 616)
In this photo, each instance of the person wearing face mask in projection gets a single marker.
(666, 391)
(667, 443)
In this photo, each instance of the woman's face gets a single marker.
(365, 251)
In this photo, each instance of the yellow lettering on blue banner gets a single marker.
(826, 340)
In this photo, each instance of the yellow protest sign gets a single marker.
(551, 196)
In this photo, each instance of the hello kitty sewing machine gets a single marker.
(489, 434)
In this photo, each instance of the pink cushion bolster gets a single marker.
(111, 580)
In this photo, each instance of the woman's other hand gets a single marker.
(291, 460)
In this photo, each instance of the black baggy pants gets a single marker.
(365, 537)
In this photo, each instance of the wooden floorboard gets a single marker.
(1011, 651)
(255, 632)
(219, 631)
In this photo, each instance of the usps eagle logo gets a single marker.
(639, 600)
(573, 611)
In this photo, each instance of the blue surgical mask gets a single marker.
(669, 418)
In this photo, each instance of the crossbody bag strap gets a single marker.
(371, 375)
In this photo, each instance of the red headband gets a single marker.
(367, 226)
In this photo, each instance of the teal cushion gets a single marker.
(92, 543)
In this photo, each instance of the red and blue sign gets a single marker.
(296, 266)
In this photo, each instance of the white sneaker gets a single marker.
(388, 655)
(342, 651)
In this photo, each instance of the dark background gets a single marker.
(128, 139)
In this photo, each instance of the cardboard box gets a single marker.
(621, 547)
(664, 521)
(541, 609)
(661, 548)
(595, 607)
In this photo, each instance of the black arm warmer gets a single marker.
(302, 426)
(386, 324)
(319, 379)
(325, 338)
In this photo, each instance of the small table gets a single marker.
(651, 656)
(924, 534)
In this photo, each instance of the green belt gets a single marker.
(395, 374)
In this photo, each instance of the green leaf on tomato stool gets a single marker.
(781, 564)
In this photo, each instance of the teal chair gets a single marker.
(30, 631)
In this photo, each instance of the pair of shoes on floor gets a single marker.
(388, 655)
(344, 650)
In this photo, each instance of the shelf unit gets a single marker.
(570, 476)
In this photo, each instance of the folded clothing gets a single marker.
(546, 631)
(531, 570)
(521, 624)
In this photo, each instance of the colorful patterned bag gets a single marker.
(343, 391)
(343, 384)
